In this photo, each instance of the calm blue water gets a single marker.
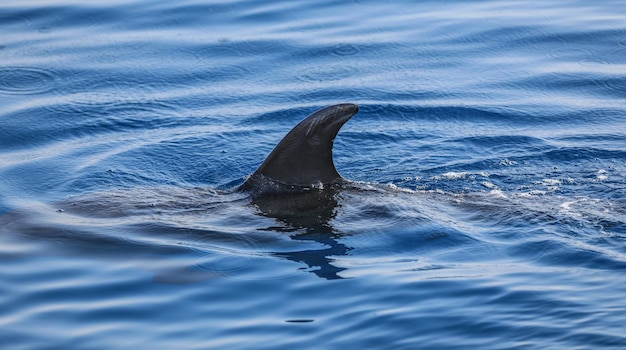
(489, 160)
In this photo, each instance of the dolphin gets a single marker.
(304, 157)
(296, 186)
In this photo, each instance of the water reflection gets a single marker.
(309, 213)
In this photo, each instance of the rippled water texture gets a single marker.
(488, 159)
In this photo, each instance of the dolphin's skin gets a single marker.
(304, 157)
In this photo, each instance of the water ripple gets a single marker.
(239, 257)
(321, 51)
(99, 103)
(618, 84)
(226, 48)
(220, 72)
(571, 53)
(346, 49)
(327, 73)
(26, 80)
(523, 36)
(14, 21)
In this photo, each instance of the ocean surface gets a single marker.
(487, 207)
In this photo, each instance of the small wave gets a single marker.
(453, 175)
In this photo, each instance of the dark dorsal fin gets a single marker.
(304, 157)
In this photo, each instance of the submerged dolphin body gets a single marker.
(304, 157)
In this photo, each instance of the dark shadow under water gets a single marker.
(310, 213)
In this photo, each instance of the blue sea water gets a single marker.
(488, 208)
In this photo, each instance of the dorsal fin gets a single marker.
(305, 155)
